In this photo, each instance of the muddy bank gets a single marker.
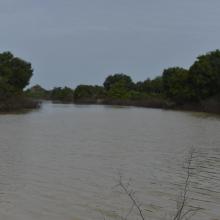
(18, 103)
(152, 103)
(211, 105)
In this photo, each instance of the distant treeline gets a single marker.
(195, 88)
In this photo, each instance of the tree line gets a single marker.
(175, 86)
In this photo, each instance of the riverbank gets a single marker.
(18, 103)
(211, 105)
(153, 103)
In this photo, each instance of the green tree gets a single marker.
(37, 92)
(156, 86)
(62, 94)
(204, 75)
(14, 72)
(176, 85)
(89, 93)
(144, 86)
(118, 91)
(119, 79)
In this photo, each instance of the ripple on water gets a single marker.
(62, 162)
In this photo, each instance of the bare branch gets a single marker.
(191, 211)
(129, 212)
(180, 214)
(130, 194)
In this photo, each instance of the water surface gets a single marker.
(63, 161)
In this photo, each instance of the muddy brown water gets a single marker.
(62, 162)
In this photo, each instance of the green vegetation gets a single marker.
(88, 94)
(37, 92)
(197, 88)
(62, 94)
(176, 86)
(205, 75)
(119, 79)
(15, 75)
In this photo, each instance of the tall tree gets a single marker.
(88, 92)
(176, 85)
(14, 71)
(205, 75)
(121, 79)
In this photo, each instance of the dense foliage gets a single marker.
(205, 75)
(15, 74)
(89, 93)
(175, 87)
(38, 92)
(118, 79)
(62, 94)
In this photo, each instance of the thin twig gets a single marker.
(130, 195)
(179, 215)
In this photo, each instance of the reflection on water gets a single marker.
(62, 162)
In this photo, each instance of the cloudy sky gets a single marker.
(72, 42)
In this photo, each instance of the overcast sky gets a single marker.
(72, 42)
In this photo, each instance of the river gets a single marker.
(63, 162)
